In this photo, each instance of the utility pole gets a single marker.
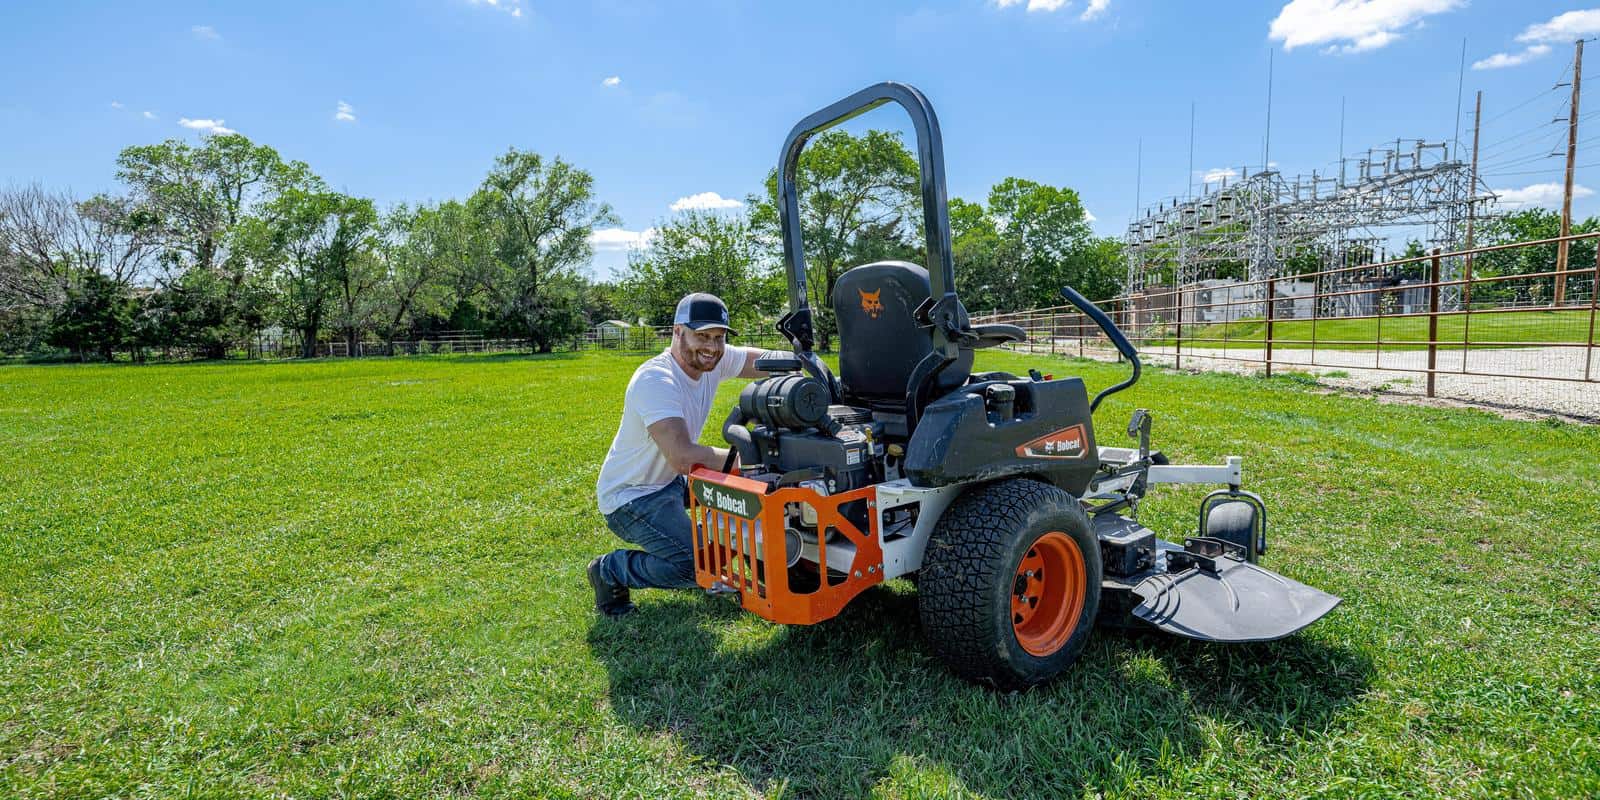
(1477, 116)
(1566, 197)
(1472, 214)
(1266, 145)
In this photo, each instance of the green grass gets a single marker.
(365, 578)
(1486, 329)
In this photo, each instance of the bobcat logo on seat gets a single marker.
(870, 302)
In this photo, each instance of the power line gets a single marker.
(1523, 172)
(1520, 105)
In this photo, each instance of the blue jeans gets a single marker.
(659, 523)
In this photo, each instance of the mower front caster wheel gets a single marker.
(1010, 583)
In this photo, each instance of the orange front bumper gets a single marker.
(739, 546)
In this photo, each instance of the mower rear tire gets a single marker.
(1010, 583)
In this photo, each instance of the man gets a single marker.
(642, 488)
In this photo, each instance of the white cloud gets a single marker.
(512, 7)
(1501, 60)
(1220, 174)
(1033, 5)
(205, 32)
(116, 105)
(1350, 26)
(614, 80)
(1093, 10)
(149, 115)
(344, 113)
(1560, 29)
(619, 239)
(1568, 27)
(1541, 195)
(206, 125)
(704, 201)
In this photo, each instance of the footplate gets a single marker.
(1211, 593)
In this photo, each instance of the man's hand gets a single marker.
(672, 436)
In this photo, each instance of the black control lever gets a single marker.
(1114, 334)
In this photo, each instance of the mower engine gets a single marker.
(792, 436)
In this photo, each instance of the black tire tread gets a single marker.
(963, 561)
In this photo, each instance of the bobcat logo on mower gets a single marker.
(870, 302)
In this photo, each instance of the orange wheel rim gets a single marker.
(1047, 593)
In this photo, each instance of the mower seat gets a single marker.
(880, 342)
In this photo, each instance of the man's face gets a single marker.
(700, 350)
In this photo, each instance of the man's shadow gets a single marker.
(830, 710)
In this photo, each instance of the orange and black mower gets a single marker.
(988, 488)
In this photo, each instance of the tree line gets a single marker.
(207, 245)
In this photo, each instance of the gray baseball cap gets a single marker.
(701, 310)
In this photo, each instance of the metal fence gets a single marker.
(1509, 325)
(636, 339)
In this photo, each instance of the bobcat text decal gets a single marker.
(870, 302)
(727, 499)
(1065, 443)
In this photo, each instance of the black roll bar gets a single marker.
(944, 312)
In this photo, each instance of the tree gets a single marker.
(537, 216)
(355, 272)
(603, 301)
(97, 316)
(1047, 231)
(313, 239)
(986, 266)
(698, 251)
(50, 245)
(422, 252)
(196, 201)
(1030, 241)
(853, 190)
(1532, 224)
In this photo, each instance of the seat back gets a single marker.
(880, 342)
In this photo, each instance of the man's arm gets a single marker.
(672, 436)
(749, 370)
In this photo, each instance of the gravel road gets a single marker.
(1521, 377)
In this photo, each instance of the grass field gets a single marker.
(365, 579)
(1485, 329)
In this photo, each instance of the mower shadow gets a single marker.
(830, 710)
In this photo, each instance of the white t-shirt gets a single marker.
(659, 389)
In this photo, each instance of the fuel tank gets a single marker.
(981, 432)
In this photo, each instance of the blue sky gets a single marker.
(665, 102)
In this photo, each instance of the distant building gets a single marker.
(612, 331)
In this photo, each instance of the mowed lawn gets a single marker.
(1480, 329)
(365, 579)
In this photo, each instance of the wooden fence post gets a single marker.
(1433, 319)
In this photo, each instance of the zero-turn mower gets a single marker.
(989, 489)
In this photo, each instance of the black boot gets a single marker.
(609, 599)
